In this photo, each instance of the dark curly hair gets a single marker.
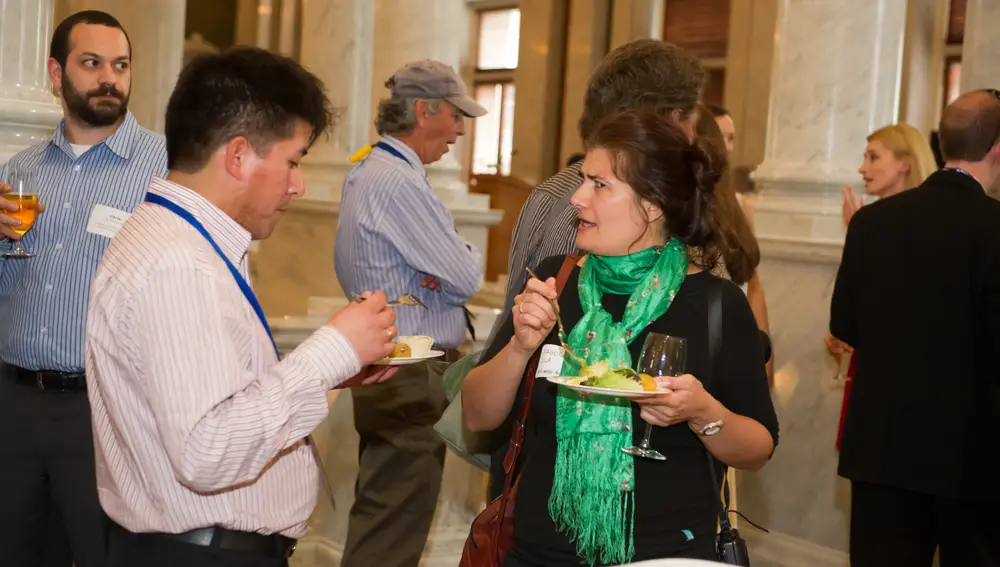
(656, 158)
(642, 74)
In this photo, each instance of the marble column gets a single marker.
(28, 111)
(636, 19)
(835, 79)
(587, 38)
(156, 30)
(980, 64)
(337, 41)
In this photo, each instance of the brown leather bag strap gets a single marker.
(517, 435)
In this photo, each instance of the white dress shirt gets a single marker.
(196, 422)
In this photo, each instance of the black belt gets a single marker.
(274, 545)
(46, 379)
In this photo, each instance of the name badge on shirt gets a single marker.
(550, 362)
(106, 221)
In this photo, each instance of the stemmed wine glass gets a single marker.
(27, 202)
(662, 355)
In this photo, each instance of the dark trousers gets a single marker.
(400, 466)
(891, 527)
(126, 549)
(48, 489)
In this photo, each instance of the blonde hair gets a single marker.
(907, 143)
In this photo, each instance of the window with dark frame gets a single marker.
(496, 61)
(953, 52)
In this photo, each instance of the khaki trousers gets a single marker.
(401, 460)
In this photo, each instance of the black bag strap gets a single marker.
(715, 353)
(715, 356)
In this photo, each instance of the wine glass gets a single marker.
(662, 355)
(27, 211)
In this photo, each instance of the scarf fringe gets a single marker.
(578, 493)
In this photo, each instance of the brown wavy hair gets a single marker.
(656, 158)
(741, 254)
(642, 74)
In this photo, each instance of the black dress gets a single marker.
(675, 500)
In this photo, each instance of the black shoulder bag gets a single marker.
(730, 546)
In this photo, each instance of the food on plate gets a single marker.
(412, 347)
(601, 375)
(401, 350)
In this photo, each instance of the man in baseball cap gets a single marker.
(394, 231)
(434, 80)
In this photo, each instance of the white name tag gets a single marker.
(105, 221)
(550, 362)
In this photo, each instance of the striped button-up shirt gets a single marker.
(43, 300)
(394, 231)
(546, 227)
(196, 422)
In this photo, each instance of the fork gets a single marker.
(562, 330)
(407, 299)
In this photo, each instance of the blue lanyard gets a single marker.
(393, 151)
(244, 286)
(957, 170)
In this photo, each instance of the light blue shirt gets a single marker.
(393, 231)
(43, 300)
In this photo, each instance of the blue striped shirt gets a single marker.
(393, 231)
(43, 300)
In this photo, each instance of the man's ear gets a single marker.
(237, 155)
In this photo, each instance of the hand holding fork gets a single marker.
(562, 330)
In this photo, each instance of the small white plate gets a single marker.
(569, 382)
(409, 360)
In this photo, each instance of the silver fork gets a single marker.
(407, 300)
(562, 330)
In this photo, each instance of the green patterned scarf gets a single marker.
(592, 495)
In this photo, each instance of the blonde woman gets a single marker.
(898, 157)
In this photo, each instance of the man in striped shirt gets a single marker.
(642, 74)
(201, 432)
(91, 174)
(395, 234)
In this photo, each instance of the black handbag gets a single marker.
(730, 546)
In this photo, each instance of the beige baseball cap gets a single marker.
(433, 79)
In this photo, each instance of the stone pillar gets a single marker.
(337, 42)
(980, 64)
(157, 33)
(587, 38)
(636, 19)
(539, 80)
(836, 78)
(430, 29)
(28, 111)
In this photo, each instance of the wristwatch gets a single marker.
(709, 429)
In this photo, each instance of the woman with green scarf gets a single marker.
(648, 227)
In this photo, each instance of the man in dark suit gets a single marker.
(918, 296)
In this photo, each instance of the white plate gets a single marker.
(632, 395)
(409, 360)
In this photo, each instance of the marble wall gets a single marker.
(798, 495)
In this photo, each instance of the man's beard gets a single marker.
(104, 113)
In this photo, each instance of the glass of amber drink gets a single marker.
(27, 211)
